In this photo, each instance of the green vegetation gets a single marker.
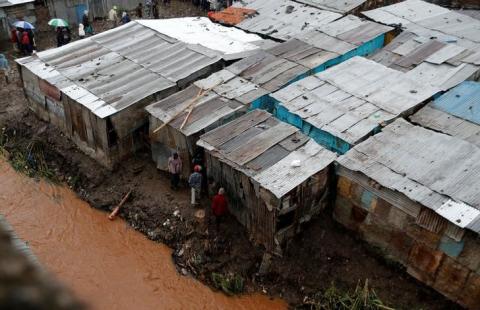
(231, 284)
(363, 298)
(26, 156)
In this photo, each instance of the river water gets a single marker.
(107, 264)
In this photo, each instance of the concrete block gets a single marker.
(451, 247)
(451, 278)
(423, 262)
(470, 256)
(343, 186)
(470, 295)
(421, 235)
(400, 246)
(399, 219)
(382, 209)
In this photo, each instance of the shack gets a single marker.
(95, 89)
(213, 101)
(413, 193)
(345, 104)
(12, 11)
(442, 64)
(455, 113)
(430, 20)
(275, 177)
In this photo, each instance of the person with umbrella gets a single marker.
(25, 39)
(62, 29)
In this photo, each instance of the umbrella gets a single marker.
(58, 22)
(23, 24)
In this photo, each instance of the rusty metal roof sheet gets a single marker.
(433, 169)
(253, 144)
(110, 71)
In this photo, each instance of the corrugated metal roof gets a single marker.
(344, 6)
(235, 87)
(429, 20)
(253, 144)
(351, 99)
(441, 64)
(201, 31)
(433, 169)
(462, 101)
(283, 19)
(456, 113)
(117, 68)
(7, 3)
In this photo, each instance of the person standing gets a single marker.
(26, 44)
(14, 38)
(4, 67)
(81, 31)
(219, 206)
(139, 10)
(148, 5)
(86, 23)
(112, 16)
(125, 18)
(195, 182)
(174, 168)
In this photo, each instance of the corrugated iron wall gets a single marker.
(432, 250)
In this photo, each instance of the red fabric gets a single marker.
(13, 36)
(219, 205)
(25, 39)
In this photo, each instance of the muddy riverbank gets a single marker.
(107, 264)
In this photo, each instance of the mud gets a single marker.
(322, 254)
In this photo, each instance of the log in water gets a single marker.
(107, 264)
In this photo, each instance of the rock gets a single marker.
(265, 265)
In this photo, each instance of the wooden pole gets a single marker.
(115, 211)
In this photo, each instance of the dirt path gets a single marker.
(322, 254)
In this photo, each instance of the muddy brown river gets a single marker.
(107, 264)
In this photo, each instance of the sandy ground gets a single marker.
(323, 254)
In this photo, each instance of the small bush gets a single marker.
(363, 298)
(231, 284)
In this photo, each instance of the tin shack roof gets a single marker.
(201, 31)
(7, 3)
(272, 153)
(433, 169)
(430, 20)
(224, 93)
(283, 19)
(316, 47)
(439, 63)
(111, 71)
(353, 98)
(456, 113)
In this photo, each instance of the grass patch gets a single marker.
(26, 156)
(231, 284)
(362, 298)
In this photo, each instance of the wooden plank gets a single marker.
(261, 143)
